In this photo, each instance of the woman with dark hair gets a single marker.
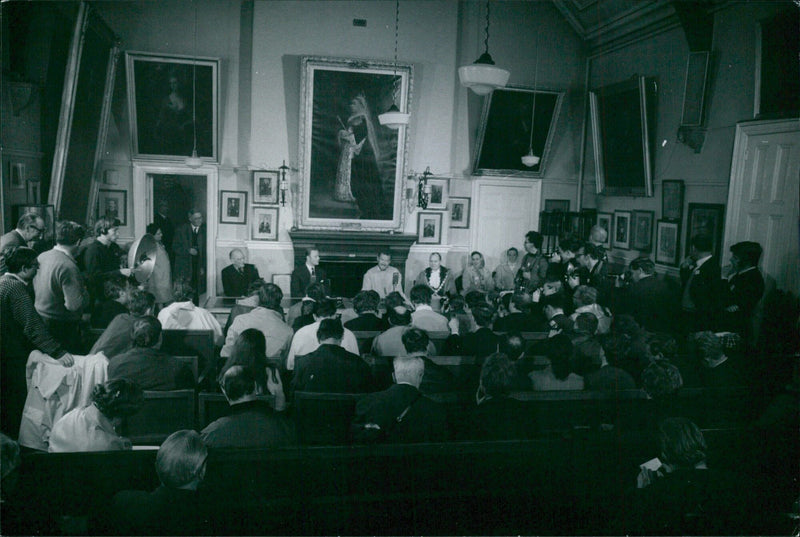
(557, 375)
(250, 351)
(93, 427)
(160, 281)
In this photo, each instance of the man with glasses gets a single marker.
(30, 226)
(190, 254)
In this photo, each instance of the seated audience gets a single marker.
(400, 413)
(437, 278)
(329, 367)
(506, 272)
(390, 342)
(146, 364)
(648, 298)
(715, 366)
(301, 313)
(744, 289)
(175, 507)
(480, 343)
(557, 375)
(518, 318)
(423, 316)
(533, 269)
(250, 351)
(366, 306)
(661, 379)
(627, 346)
(251, 422)
(554, 308)
(237, 277)
(590, 361)
(497, 416)
(513, 345)
(437, 379)
(476, 277)
(93, 427)
(115, 302)
(305, 340)
(383, 278)
(184, 315)
(116, 339)
(244, 304)
(267, 318)
(585, 301)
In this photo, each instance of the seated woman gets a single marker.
(497, 416)
(115, 301)
(250, 351)
(557, 375)
(93, 428)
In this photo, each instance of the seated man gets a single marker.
(400, 413)
(383, 278)
(251, 423)
(116, 339)
(518, 317)
(305, 340)
(237, 277)
(437, 379)
(330, 368)
(423, 316)
(244, 304)
(308, 273)
(302, 313)
(390, 343)
(513, 345)
(366, 305)
(184, 315)
(148, 366)
(267, 318)
(480, 343)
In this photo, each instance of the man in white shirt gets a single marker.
(383, 278)
(305, 339)
(267, 318)
(424, 317)
(184, 315)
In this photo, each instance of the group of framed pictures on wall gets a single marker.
(429, 224)
(634, 229)
(264, 224)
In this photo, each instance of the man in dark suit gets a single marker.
(700, 278)
(330, 368)
(237, 277)
(648, 299)
(190, 253)
(366, 305)
(480, 343)
(745, 288)
(593, 259)
(400, 413)
(308, 273)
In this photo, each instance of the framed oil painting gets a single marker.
(265, 223)
(672, 200)
(604, 220)
(622, 230)
(429, 228)
(667, 240)
(232, 207)
(708, 218)
(265, 187)
(16, 171)
(459, 212)
(352, 167)
(642, 230)
(113, 204)
(437, 197)
(163, 109)
(509, 116)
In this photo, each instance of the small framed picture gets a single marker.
(556, 206)
(622, 230)
(708, 219)
(34, 192)
(604, 221)
(232, 207)
(113, 204)
(265, 223)
(17, 173)
(438, 193)
(429, 228)
(459, 212)
(265, 187)
(642, 230)
(667, 239)
(672, 200)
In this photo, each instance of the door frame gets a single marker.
(143, 206)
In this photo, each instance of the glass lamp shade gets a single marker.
(393, 118)
(482, 78)
(194, 161)
(530, 160)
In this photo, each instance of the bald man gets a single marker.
(237, 277)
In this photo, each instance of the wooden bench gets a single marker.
(366, 337)
(324, 418)
(199, 343)
(162, 414)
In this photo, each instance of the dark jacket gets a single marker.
(151, 369)
(652, 302)
(425, 420)
(331, 369)
(301, 279)
(183, 259)
(164, 511)
(367, 322)
(252, 424)
(235, 283)
(704, 290)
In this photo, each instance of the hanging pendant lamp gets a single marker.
(394, 118)
(482, 76)
(530, 160)
(194, 161)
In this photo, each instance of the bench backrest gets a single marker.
(324, 418)
(162, 414)
(212, 406)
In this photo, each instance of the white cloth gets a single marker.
(305, 341)
(85, 429)
(278, 334)
(187, 316)
(604, 318)
(382, 282)
(54, 390)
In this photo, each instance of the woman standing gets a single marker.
(160, 281)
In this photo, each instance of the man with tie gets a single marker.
(701, 280)
(190, 253)
(308, 273)
(237, 277)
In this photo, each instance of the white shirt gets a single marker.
(187, 316)
(85, 429)
(305, 341)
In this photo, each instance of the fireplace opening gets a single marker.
(346, 277)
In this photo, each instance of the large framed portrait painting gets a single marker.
(352, 166)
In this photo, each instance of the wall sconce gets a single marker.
(284, 184)
(423, 189)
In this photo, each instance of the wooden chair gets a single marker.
(162, 414)
(324, 418)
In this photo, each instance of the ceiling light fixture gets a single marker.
(394, 118)
(194, 161)
(482, 76)
(530, 160)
